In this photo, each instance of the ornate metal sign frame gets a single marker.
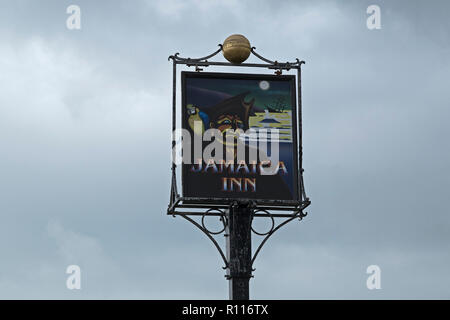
(287, 210)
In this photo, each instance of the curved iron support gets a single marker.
(210, 237)
(282, 65)
(203, 61)
(261, 57)
(273, 230)
(176, 58)
(286, 65)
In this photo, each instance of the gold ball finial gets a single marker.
(236, 48)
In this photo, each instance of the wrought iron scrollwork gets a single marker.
(203, 61)
(253, 50)
(300, 215)
(222, 218)
(210, 234)
(272, 220)
(192, 61)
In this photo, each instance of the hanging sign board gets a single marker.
(240, 137)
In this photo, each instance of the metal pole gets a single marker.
(239, 251)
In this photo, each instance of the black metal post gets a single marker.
(239, 251)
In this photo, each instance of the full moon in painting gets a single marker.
(264, 85)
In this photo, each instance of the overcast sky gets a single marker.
(85, 149)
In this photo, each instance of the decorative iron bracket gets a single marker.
(224, 220)
(203, 62)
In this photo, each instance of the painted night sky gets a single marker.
(230, 87)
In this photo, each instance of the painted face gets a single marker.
(227, 122)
